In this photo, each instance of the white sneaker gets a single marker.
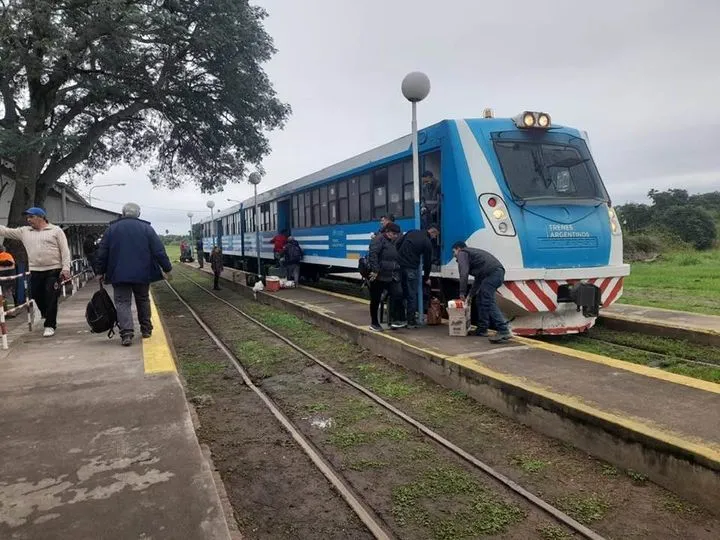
(49, 332)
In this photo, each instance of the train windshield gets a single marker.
(541, 170)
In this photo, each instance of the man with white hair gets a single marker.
(48, 259)
(130, 257)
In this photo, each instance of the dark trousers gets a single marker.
(395, 302)
(45, 290)
(216, 280)
(201, 258)
(483, 293)
(123, 294)
(409, 279)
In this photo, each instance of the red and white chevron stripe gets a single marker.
(541, 295)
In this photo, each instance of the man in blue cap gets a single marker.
(49, 261)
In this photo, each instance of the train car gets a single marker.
(523, 188)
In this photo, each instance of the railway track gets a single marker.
(355, 501)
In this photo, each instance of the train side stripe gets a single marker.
(614, 293)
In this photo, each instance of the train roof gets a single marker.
(401, 145)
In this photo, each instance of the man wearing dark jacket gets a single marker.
(411, 247)
(200, 254)
(131, 256)
(489, 275)
(385, 276)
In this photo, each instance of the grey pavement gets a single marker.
(93, 448)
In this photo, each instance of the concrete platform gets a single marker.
(694, 327)
(93, 446)
(641, 418)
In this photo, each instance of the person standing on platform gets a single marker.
(385, 276)
(489, 275)
(130, 257)
(49, 261)
(293, 255)
(413, 245)
(216, 263)
(200, 254)
(7, 269)
(278, 241)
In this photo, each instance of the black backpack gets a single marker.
(364, 267)
(100, 313)
(293, 253)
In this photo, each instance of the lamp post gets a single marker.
(255, 180)
(211, 204)
(101, 185)
(416, 87)
(192, 236)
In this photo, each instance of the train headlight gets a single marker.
(614, 223)
(502, 227)
(499, 214)
(532, 120)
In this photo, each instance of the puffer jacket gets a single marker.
(383, 259)
(216, 262)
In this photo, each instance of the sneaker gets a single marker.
(376, 328)
(397, 325)
(126, 340)
(501, 337)
(48, 332)
(481, 333)
(146, 335)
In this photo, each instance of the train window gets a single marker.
(408, 197)
(365, 198)
(380, 193)
(301, 212)
(343, 209)
(323, 205)
(295, 212)
(308, 209)
(395, 189)
(316, 207)
(332, 203)
(354, 200)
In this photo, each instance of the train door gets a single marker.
(283, 215)
(431, 200)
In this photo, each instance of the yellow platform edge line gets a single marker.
(157, 354)
(657, 322)
(638, 369)
(702, 449)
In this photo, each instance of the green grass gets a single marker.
(586, 509)
(685, 280)
(473, 510)
(345, 438)
(173, 251)
(529, 464)
(554, 532)
(663, 353)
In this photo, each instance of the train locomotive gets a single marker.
(522, 188)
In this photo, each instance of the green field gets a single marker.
(687, 281)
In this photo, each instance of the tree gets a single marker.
(663, 200)
(692, 225)
(635, 217)
(86, 84)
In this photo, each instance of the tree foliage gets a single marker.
(689, 218)
(86, 84)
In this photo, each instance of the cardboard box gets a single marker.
(459, 321)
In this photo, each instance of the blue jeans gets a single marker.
(409, 279)
(483, 292)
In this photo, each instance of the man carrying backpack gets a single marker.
(293, 254)
(131, 256)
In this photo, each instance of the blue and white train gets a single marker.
(522, 188)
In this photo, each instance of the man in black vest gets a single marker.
(489, 275)
(413, 245)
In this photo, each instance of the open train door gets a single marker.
(283, 215)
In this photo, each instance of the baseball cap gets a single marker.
(35, 211)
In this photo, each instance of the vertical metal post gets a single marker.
(257, 233)
(212, 227)
(416, 196)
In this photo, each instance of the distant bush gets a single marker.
(693, 225)
(641, 247)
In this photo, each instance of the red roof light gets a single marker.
(492, 202)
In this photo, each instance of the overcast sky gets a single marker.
(641, 76)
